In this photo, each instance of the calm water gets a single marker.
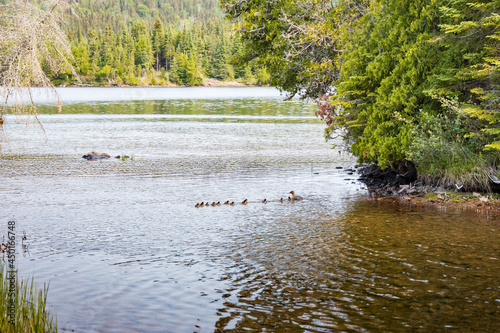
(125, 250)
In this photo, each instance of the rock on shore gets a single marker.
(402, 184)
(374, 176)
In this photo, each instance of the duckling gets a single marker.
(218, 203)
(264, 201)
(244, 202)
(202, 204)
(295, 197)
(232, 203)
(213, 203)
(289, 199)
(197, 205)
(281, 200)
(226, 203)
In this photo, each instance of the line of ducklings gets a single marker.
(294, 197)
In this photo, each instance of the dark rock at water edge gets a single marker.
(374, 176)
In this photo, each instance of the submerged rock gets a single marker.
(95, 156)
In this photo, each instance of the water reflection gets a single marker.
(244, 107)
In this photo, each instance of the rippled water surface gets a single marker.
(125, 249)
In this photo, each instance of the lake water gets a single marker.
(125, 249)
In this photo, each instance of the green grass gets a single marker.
(449, 164)
(31, 314)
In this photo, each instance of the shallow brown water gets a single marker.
(374, 268)
(124, 248)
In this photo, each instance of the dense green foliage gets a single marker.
(397, 66)
(472, 30)
(152, 43)
(387, 61)
(295, 40)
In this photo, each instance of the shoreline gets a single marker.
(403, 185)
(437, 198)
(206, 83)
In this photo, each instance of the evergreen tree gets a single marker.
(94, 51)
(108, 47)
(118, 52)
(143, 52)
(168, 48)
(174, 70)
(193, 77)
(238, 53)
(221, 68)
(128, 51)
(80, 54)
(206, 58)
(182, 71)
(158, 44)
(248, 77)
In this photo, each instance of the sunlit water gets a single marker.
(125, 249)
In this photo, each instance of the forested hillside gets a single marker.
(146, 42)
(98, 14)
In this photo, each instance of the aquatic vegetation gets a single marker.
(31, 314)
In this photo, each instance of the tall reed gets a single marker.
(31, 314)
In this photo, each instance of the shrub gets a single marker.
(445, 154)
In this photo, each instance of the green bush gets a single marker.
(445, 154)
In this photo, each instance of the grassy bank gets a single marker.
(28, 304)
(459, 169)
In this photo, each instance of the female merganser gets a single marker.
(295, 197)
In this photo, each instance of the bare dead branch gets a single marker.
(31, 43)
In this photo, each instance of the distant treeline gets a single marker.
(147, 43)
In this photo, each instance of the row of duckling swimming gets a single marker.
(244, 202)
